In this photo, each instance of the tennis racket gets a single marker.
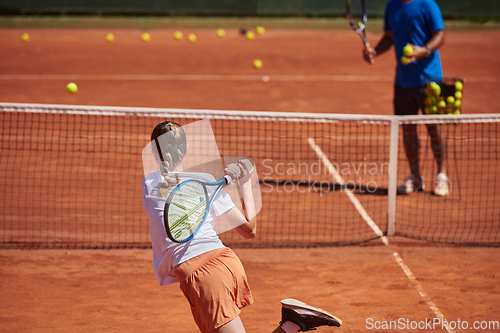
(356, 15)
(187, 207)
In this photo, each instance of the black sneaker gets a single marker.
(306, 316)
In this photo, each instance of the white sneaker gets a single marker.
(442, 185)
(411, 184)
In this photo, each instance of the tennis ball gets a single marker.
(25, 37)
(250, 35)
(434, 109)
(458, 95)
(427, 110)
(405, 60)
(110, 37)
(441, 104)
(408, 50)
(360, 24)
(436, 88)
(178, 35)
(221, 33)
(457, 111)
(192, 37)
(458, 103)
(257, 63)
(260, 30)
(450, 100)
(72, 87)
(146, 37)
(459, 86)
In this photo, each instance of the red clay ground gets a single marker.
(116, 290)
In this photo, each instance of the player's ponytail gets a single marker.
(170, 152)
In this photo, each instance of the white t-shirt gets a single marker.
(168, 254)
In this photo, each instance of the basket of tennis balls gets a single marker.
(444, 97)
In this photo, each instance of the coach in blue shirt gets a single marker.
(418, 23)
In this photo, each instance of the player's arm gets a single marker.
(247, 227)
(383, 45)
(436, 41)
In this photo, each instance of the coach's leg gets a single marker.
(438, 144)
(410, 139)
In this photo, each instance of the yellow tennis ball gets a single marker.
(434, 109)
(260, 30)
(178, 35)
(457, 111)
(405, 60)
(250, 35)
(450, 100)
(441, 104)
(257, 63)
(192, 37)
(408, 50)
(110, 37)
(458, 103)
(72, 87)
(459, 86)
(458, 95)
(146, 37)
(221, 33)
(25, 37)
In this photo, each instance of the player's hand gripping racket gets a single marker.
(187, 207)
(356, 15)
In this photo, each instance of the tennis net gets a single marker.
(71, 176)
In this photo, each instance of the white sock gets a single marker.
(290, 327)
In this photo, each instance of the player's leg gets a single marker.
(406, 103)
(234, 326)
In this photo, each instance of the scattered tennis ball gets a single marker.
(146, 37)
(192, 37)
(408, 50)
(450, 100)
(178, 35)
(250, 35)
(405, 60)
(221, 33)
(257, 63)
(458, 103)
(110, 37)
(72, 87)
(442, 104)
(25, 37)
(457, 111)
(459, 86)
(458, 95)
(260, 30)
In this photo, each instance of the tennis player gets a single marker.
(211, 276)
(420, 24)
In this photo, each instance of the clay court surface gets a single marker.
(308, 71)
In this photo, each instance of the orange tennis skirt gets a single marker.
(216, 286)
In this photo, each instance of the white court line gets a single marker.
(215, 77)
(338, 179)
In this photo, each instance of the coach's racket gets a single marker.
(187, 207)
(357, 17)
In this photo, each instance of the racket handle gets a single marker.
(368, 48)
(228, 179)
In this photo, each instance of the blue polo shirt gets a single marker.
(413, 22)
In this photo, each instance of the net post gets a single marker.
(393, 176)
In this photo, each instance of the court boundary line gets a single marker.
(220, 77)
(361, 210)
